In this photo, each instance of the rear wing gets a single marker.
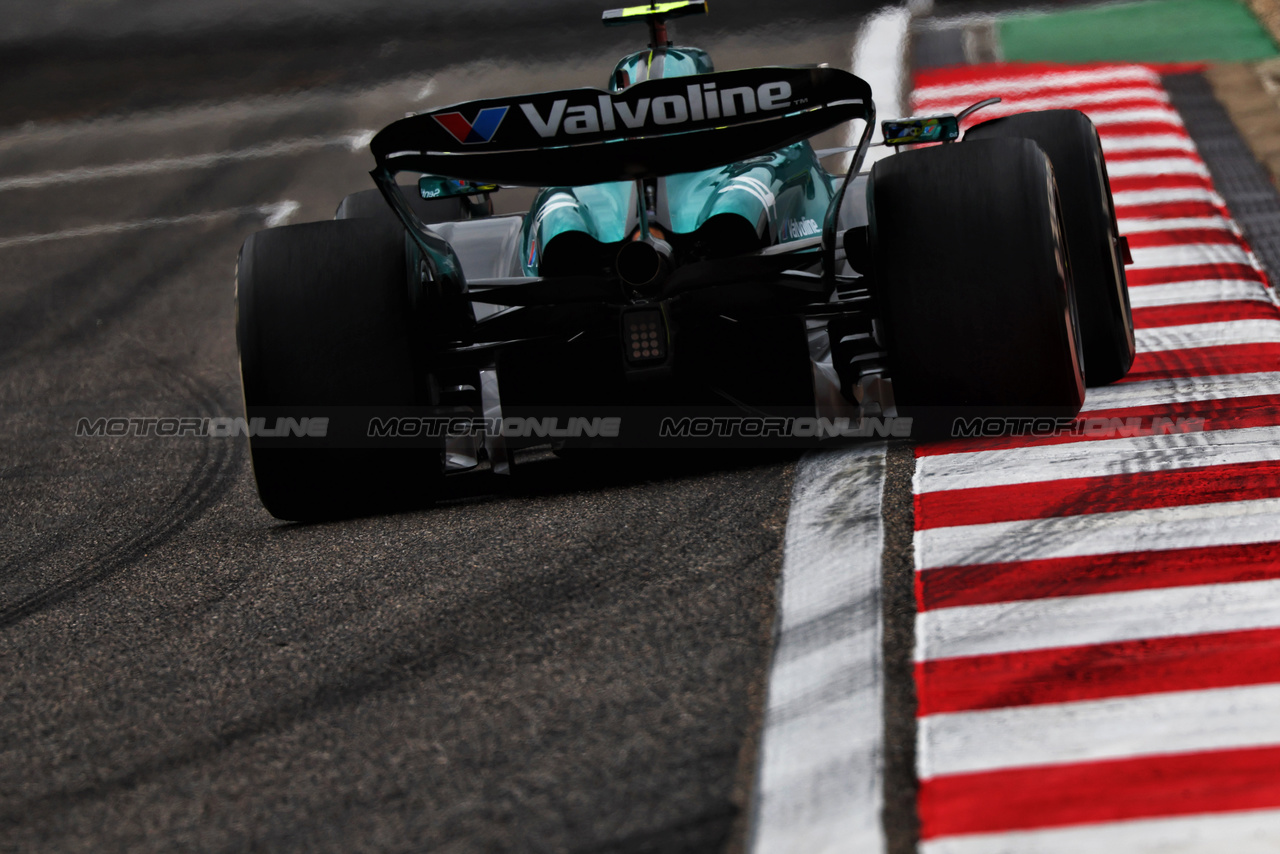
(655, 128)
(589, 136)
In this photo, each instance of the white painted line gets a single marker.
(1070, 621)
(1157, 166)
(1111, 728)
(279, 213)
(1146, 226)
(1102, 118)
(351, 141)
(1047, 82)
(1221, 334)
(878, 59)
(1189, 293)
(1189, 254)
(275, 214)
(1147, 530)
(818, 782)
(1132, 198)
(1100, 115)
(1152, 142)
(1096, 458)
(819, 776)
(1177, 390)
(1245, 832)
(1029, 101)
(367, 107)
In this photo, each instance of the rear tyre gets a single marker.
(323, 323)
(976, 293)
(1071, 141)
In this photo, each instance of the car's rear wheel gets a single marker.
(323, 327)
(975, 288)
(1071, 141)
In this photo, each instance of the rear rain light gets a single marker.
(644, 336)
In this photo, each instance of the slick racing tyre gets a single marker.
(976, 294)
(323, 324)
(447, 311)
(1089, 216)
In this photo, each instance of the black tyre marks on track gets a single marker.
(210, 476)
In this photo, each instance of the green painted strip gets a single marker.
(1150, 31)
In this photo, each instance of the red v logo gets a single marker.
(480, 129)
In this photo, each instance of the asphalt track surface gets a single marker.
(575, 662)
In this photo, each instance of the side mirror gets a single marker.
(438, 187)
(926, 129)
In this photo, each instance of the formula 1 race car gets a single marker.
(688, 259)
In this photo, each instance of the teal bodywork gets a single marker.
(604, 212)
(662, 62)
(781, 197)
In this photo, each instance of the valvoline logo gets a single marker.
(480, 129)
